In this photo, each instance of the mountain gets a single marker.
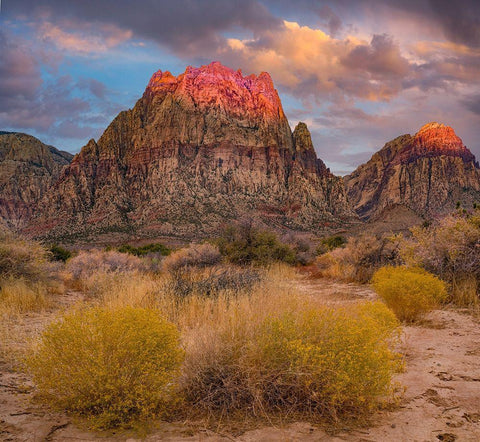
(427, 173)
(197, 150)
(28, 168)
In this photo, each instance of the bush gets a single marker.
(358, 259)
(409, 292)
(111, 366)
(330, 243)
(246, 244)
(20, 258)
(59, 253)
(449, 249)
(195, 255)
(212, 281)
(154, 248)
(87, 263)
(281, 358)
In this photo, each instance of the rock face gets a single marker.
(428, 173)
(196, 150)
(28, 168)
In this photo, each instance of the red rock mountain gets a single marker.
(28, 168)
(199, 149)
(428, 173)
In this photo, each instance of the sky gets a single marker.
(358, 72)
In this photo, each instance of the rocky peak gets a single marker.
(427, 173)
(302, 138)
(438, 139)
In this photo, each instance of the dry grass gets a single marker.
(20, 296)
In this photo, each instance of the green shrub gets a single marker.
(59, 253)
(145, 250)
(330, 243)
(111, 366)
(409, 292)
(246, 244)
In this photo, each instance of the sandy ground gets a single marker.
(441, 399)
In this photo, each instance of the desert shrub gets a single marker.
(278, 356)
(87, 263)
(20, 258)
(113, 366)
(409, 292)
(330, 243)
(247, 244)
(195, 255)
(212, 281)
(359, 258)
(18, 295)
(450, 249)
(59, 253)
(148, 249)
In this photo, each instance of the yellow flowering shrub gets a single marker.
(409, 292)
(297, 361)
(113, 366)
(334, 362)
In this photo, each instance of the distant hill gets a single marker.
(28, 168)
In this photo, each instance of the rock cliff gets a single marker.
(428, 173)
(28, 168)
(198, 149)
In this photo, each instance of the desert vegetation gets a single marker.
(218, 331)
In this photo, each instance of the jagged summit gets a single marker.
(220, 86)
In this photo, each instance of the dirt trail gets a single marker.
(441, 401)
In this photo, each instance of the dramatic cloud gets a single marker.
(185, 26)
(307, 61)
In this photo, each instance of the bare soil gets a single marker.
(441, 400)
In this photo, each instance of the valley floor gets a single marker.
(441, 400)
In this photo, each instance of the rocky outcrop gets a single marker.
(28, 168)
(199, 149)
(428, 173)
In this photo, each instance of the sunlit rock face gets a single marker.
(28, 168)
(207, 147)
(428, 172)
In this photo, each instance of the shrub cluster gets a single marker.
(212, 281)
(450, 249)
(87, 263)
(409, 292)
(148, 249)
(195, 255)
(359, 258)
(112, 366)
(247, 244)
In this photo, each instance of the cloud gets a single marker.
(473, 103)
(307, 61)
(19, 72)
(186, 27)
(90, 39)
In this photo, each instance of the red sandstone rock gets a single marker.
(428, 173)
